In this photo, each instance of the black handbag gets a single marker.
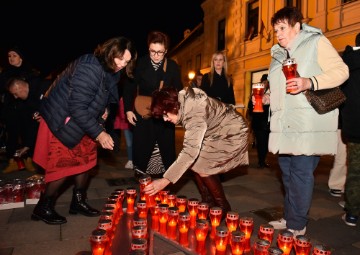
(325, 100)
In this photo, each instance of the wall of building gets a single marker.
(339, 22)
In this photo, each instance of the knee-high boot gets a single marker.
(216, 189)
(44, 210)
(79, 205)
(204, 192)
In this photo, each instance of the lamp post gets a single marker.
(191, 76)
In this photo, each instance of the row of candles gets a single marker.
(176, 216)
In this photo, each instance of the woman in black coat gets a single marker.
(153, 139)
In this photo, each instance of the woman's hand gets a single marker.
(131, 117)
(298, 85)
(155, 186)
(105, 140)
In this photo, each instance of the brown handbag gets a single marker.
(325, 100)
(142, 103)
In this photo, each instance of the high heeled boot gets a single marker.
(204, 192)
(216, 189)
(79, 205)
(44, 210)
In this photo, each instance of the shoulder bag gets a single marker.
(325, 100)
(142, 103)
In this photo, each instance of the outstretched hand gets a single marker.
(155, 186)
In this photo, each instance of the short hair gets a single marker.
(158, 37)
(13, 80)
(164, 101)
(290, 14)
(357, 40)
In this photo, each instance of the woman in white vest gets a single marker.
(298, 133)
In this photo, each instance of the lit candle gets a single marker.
(302, 245)
(237, 242)
(139, 232)
(320, 249)
(98, 241)
(173, 214)
(232, 220)
(285, 241)
(181, 202)
(154, 211)
(144, 181)
(193, 209)
(261, 247)
(171, 200)
(138, 244)
(203, 210)
(130, 199)
(184, 224)
(247, 226)
(201, 231)
(163, 217)
(106, 224)
(142, 209)
(215, 219)
(221, 239)
(163, 196)
(266, 232)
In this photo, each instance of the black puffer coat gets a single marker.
(75, 102)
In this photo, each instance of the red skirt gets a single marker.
(59, 161)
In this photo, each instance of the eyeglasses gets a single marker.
(159, 53)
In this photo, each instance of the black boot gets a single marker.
(204, 192)
(79, 205)
(216, 189)
(44, 210)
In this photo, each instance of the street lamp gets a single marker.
(191, 76)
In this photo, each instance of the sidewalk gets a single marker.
(251, 192)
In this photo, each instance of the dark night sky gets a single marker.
(53, 34)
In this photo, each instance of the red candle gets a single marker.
(99, 241)
(285, 241)
(181, 202)
(266, 232)
(192, 208)
(184, 224)
(130, 199)
(302, 245)
(144, 181)
(155, 217)
(163, 196)
(163, 217)
(221, 239)
(203, 210)
(142, 209)
(201, 231)
(237, 242)
(171, 200)
(173, 215)
(215, 219)
(232, 220)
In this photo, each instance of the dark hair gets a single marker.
(357, 40)
(289, 14)
(164, 101)
(264, 77)
(115, 48)
(158, 37)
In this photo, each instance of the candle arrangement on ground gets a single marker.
(188, 223)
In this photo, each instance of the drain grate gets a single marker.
(122, 181)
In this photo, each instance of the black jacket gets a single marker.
(350, 111)
(81, 92)
(219, 88)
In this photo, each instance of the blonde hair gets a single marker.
(225, 68)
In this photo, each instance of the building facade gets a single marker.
(242, 29)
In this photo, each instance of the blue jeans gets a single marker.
(298, 181)
(129, 140)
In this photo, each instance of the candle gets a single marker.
(203, 210)
(138, 244)
(139, 232)
(274, 251)
(154, 211)
(181, 202)
(106, 224)
(99, 241)
(201, 231)
(285, 241)
(130, 199)
(266, 232)
(261, 247)
(163, 196)
(144, 181)
(247, 226)
(321, 249)
(215, 219)
(221, 239)
(184, 224)
(192, 206)
(302, 245)
(232, 220)
(171, 200)
(237, 242)
(173, 214)
(163, 217)
(142, 209)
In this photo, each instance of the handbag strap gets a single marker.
(164, 68)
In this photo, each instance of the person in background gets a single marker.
(12, 109)
(350, 129)
(196, 82)
(74, 111)
(215, 140)
(31, 94)
(121, 123)
(217, 83)
(261, 127)
(298, 133)
(337, 175)
(153, 139)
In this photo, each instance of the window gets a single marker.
(253, 20)
(294, 3)
(221, 35)
(198, 62)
